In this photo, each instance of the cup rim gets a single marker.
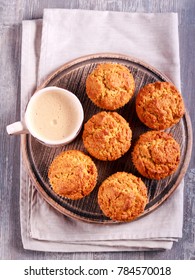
(77, 127)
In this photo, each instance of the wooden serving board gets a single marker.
(37, 157)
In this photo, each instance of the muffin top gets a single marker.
(72, 174)
(156, 155)
(159, 105)
(122, 196)
(107, 136)
(110, 86)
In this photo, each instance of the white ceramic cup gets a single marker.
(54, 116)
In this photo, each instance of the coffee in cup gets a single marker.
(53, 115)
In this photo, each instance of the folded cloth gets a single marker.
(63, 35)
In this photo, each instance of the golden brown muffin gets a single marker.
(72, 174)
(159, 105)
(122, 196)
(107, 136)
(110, 86)
(156, 155)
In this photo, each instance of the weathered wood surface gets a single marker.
(11, 15)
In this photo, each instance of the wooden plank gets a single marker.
(9, 147)
(10, 12)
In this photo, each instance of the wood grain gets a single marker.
(12, 12)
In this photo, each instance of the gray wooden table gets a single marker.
(12, 12)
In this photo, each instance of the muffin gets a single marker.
(159, 105)
(72, 174)
(107, 136)
(122, 197)
(156, 155)
(110, 86)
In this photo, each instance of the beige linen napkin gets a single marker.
(46, 45)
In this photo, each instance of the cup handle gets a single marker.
(17, 128)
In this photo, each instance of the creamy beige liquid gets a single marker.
(52, 116)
